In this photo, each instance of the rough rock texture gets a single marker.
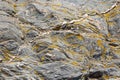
(59, 40)
(54, 71)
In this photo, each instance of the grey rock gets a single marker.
(7, 72)
(59, 71)
(11, 45)
(52, 55)
(10, 32)
(50, 45)
(5, 6)
(33, 16)
(25, 51)
(96, 74)
(39, 46)
(115, 28)
(113, 72)
(117, 62)
(4, 13)
(32, 34)
(57, 55)
(96, 5)
(2, 78)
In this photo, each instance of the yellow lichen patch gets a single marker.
(106, 77)
(108, 35)
(38, 44)
(22, 4)
(69, 35)
(88, 25)
(100, 44)
(54, 7)
(104, 53)
(72, 38)
(57, 4)
(80, 37)
(35, 47)
(43, 58)
(40, 76)
(54, 39)
(117, 51)
(91, 52)
(6, 55)
(112, 12)
(75, 63)
(53, 46)
(18, 5)
(22, 27)
(111, 23)
(66, 42)
(69, 51)
(92, 35)
(65, 11)
(78, 22)
(84, 50)
(9, 57)
(114, 40)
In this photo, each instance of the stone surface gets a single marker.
(59, 71)
(59, 39)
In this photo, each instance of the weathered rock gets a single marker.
(7, 72)
(102, 5)
(114, 26)
(11, 45)
(52, 55)
(59, 71)
(96, 74)
(9, 30)
(59, 39)
(25, 51)
(112, 72)
(33, 16)
(5, 6)
(32, 34)
(117, 62)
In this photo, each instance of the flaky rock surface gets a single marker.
(59, 40)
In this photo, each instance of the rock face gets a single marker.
(59, 39)
(59, 71)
